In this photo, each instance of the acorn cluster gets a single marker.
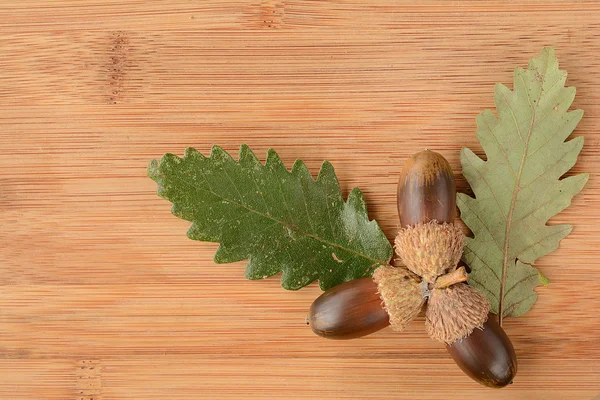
(429, 247)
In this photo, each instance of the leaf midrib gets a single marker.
(515, 193)
(294, 227)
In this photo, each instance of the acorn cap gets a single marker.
(401, 294)
(430, 249)
(454, 312)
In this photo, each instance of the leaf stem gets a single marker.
(456, 276)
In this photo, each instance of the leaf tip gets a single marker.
(356, 195)
(326, 171)
(549, 50)
(291, 281)
(464, 152)
(219, 257)
(578, 113)
(247, 158)
(585, 177)
(246, 153)
(218, 155)
(357, 201)
(244, 148)
(501, 90)
(273, 160)
(153, 169)
(216, 149)
(544, 281)
(300, 170)
(579, 180)
(546, 53)
(190, 152)
(462, 199)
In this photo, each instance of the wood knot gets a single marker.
(117, 66)
(89, 382)
(270, 15)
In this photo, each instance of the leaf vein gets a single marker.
(502, 149)
(482, 286)
(285, 203)
(550, 138)
(546, 170)
(513, 116)
(487, 228)
(325, 191)
(514, 305)
(267, 208)
(519, 282)
(486, 264)
(557, 233)
(489, 187)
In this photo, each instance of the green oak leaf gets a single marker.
(519, 187)
(279, 220)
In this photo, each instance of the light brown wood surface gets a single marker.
(103, 297)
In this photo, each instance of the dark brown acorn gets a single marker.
(426, 207)
(426, 190)
(349, 310)
(486, 355)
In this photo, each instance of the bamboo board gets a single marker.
(103, 297)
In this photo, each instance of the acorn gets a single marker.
(430, 246)
(349, 310)
(486, 355)
(428, 242)
(426, 190)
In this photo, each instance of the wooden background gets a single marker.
(103, 297)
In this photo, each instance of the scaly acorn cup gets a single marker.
(430, 249)
(402, 294)
(454, 312)
(430, 246)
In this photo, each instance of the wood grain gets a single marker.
(101, 294)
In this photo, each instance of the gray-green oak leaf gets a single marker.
(278, 220)
(519, 187)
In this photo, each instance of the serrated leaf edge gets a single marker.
(354, 200)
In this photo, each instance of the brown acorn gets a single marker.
(428, 242)
(486, 355)
(362, 306)
(349, 310)
(426, 190)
